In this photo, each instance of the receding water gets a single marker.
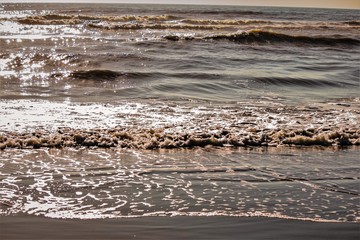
(311, 184)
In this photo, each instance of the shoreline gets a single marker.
(21, 227)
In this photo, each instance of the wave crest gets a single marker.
(156, 26)
(224, 22)
(266, 37)
(62, 19)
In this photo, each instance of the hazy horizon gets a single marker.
(352, 4)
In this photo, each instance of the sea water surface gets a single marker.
(109, 53)
(111, 111)
(313, 185)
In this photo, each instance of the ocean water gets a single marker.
(115, 110)
(109, 53)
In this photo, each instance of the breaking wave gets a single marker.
(225, 22)
(166, 125)
(63, 19)
(156, 26)
(166, 21)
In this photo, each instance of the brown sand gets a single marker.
(30, 227)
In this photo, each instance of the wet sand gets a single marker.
(30, 227)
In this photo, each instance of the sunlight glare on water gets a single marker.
(87, 184)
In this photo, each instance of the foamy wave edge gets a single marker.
(157, 125)
(159, 139)
(92, 216)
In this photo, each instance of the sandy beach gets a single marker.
(29, 227)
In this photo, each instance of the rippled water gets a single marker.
(116, 52)
(315, 185)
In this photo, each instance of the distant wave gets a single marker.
(165, 21)
(225, 22)
(227, 11)
(158, 26)
(197, 24)
(189, 24)
(146, 20)
(62, 19)
(352, 23)
(264, 37)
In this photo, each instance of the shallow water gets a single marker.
(303, 184)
